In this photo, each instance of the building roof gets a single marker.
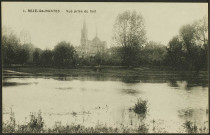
(96, 39)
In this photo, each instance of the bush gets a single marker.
(143, 128)
(36, 123)
(190, 127)
(141, 106)
(9, 127)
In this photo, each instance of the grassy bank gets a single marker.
(103, 70)
(128, 75)
(36, 124)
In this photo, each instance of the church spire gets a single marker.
(84, 34)
(84, 24)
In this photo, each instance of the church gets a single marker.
(88, 48)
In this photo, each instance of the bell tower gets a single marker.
(84, 38)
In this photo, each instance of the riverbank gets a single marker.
(36, 124)
(103, 70)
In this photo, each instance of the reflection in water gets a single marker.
(187, 112)
(13, 84)
(130, 91)
(64, 88)
(172, 98)
(131, 79)
(173, 83)
(191, 80)
(193, 114)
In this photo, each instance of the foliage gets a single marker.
(113, 56)
(36, 123)
(186, 51)
(13, 51)
(10, 47)
(153, 53)
(189, 49)
(64, 55)
(98, 58)
(176, 56)
(10, 126)
(129, 33)
(141, 106)
(190, 127)
(46, 58)
(143, 128)
(37, 56)
(22, 55)
(30, 49)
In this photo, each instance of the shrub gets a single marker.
(10, 125)
(36, 123)
(141, 106)
(143, 128)
(190, 127)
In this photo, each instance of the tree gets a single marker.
(113, 56)
(153, 53)
(176, 56)
(64, 55)
(23, 55)
(201, 28)
(201, 35)
(195, 39)
(37, 56)
(189, 49)
(98, 58)
(13, 51)
(30, 48)
(10, 47)
(46, 58)
(129, 33)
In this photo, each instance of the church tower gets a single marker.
(84, 38)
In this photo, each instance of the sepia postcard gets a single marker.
(105, 67)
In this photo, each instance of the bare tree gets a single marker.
(201, 31)
(130, 34)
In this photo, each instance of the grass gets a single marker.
(191, 128)
(134, 75)
(36, 125)
(141, 106)
(143, 128)
(106, 70)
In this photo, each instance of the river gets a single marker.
(90, 100)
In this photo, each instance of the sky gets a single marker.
(162, 20)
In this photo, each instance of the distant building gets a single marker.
(90, 47)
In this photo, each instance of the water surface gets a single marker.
(89, 100)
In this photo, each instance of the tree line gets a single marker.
(188, 50)
(15, 53)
